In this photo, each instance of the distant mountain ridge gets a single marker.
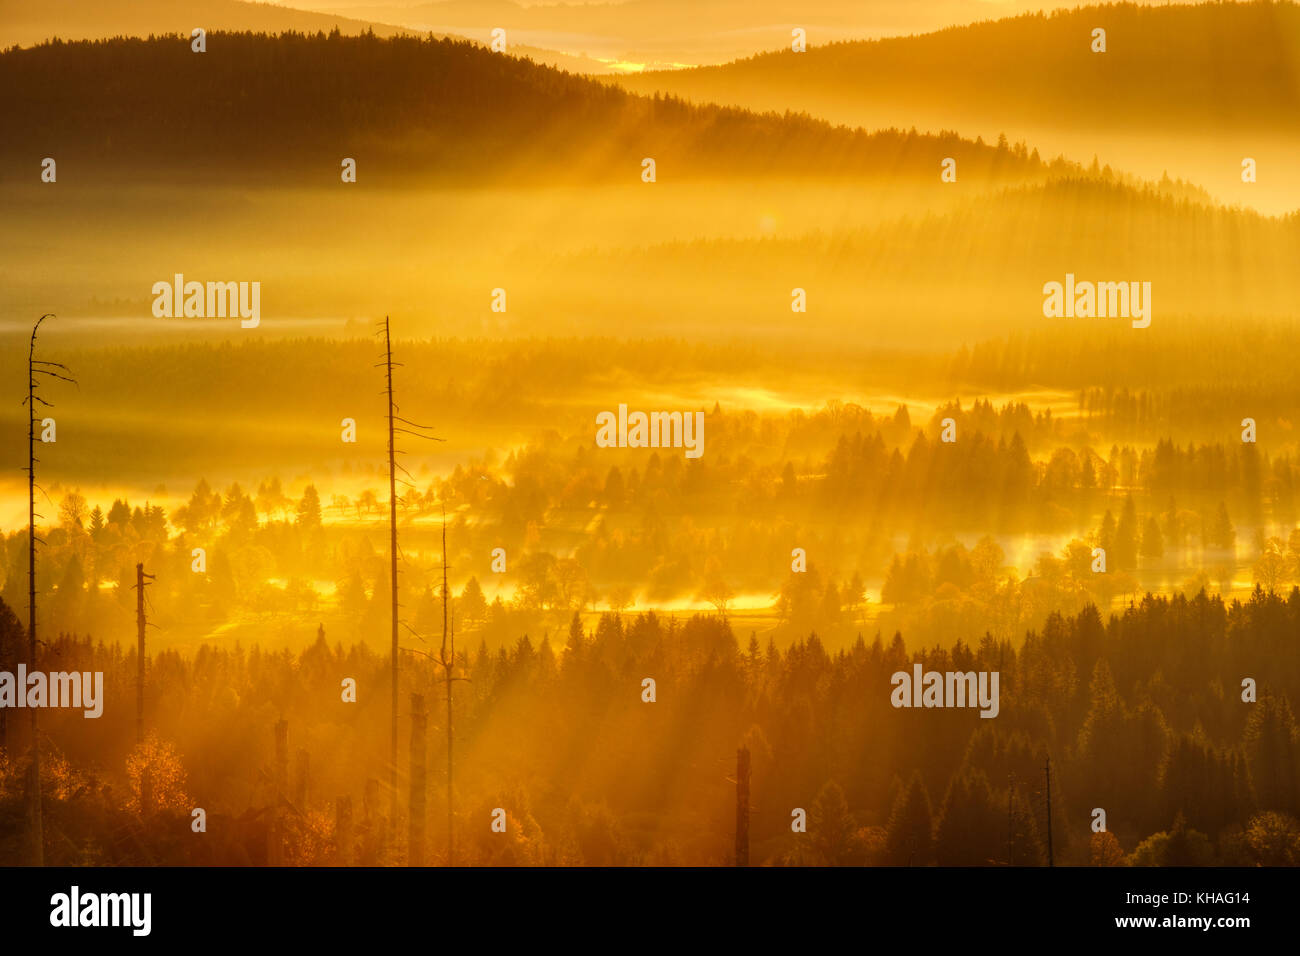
(417, 107)
(25, 23)
(1192, 90)
(1225, 66)
(686, 32)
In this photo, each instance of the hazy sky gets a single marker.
(678, 32)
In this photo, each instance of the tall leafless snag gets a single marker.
(35, 367)
(279, 788)
(393, 430)
(415, 807)
(141, 623)
(446, 659)
(343, 839)
(742, 807)
(1047, 769)
(146, 771)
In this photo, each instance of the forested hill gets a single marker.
(25, 23)
(1214, 67)
(405, 107)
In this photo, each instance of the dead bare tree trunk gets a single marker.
(146, 774)
(275, 847)
(35, 367)
(301, 779)
(448, 662)
(742, 807)
(139, 654)
(34, 789)
(343, 830)
(140, 624)
(419, 776)
(281, 757)
(1047, 769)
(376, 837)
(392, 554)
(393, 466)
(34, 806)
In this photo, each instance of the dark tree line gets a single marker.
(1142, 716)
(419, 107)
